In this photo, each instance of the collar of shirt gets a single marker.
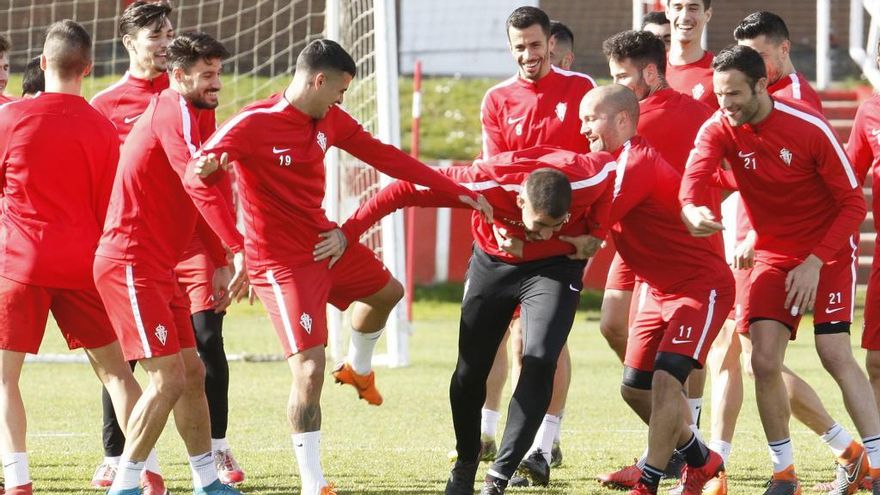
(768, 120)
(155, 84)
(657, 99)
(633, 141)
(540, 84)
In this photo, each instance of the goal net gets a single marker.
(264, 37)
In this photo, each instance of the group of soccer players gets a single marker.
(118, 216)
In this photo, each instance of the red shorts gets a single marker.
(25, 308)
(684, 324)
(620, 277)
(195, 276)
(296, 298)
(835, 293)
(148, 310)
(871, 333)
(743, 280)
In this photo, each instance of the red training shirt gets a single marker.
(669, 121)
(694, 79)
(519, 113)
(499, 179)
(58, 157)
(125, 101)
(863, 148)
(800, 191)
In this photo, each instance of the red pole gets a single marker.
(411, 212)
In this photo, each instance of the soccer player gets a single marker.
(33, 81)
(657, 24)
(637, 60)
(561, 45)
(146, 31)
(57, 161)
(863, 148)
(544, 197)
(534, 107)
(805, 247)
(5, 46)
(687, 288)
(690, 66)
(149, 224)
(278, 148)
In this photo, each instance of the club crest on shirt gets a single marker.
(306, 322)
(322, 141)
(161, 334)
(560, 110)
(786, 156)
(698, 91)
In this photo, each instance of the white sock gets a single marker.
(782, 454)
(360, 351)
(544, 438)
(112, 460)
(307, 447)
(489, 422)
(721, 448)
(128, 475)
(152, 462)
(837, 439)
(695, 405)
(203, 469)
(642, 460)
(872, 448)
(15, 469)
(219, 444)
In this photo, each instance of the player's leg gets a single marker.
(112, 439)
(551, 428)
(548, 305)
(486, 310)
(727, 388)
(616, 306)
(491, 412)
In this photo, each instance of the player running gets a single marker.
(57, 161)
(805, 247)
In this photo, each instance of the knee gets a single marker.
(612, 330)
(195, 375)
(764, 366)
(170, 382)
(836, 360)
(393, 293)
(872, 363)
(636, 384)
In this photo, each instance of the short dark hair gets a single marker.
(654, 18)
(525, 17)
(142, 14)
(325, 54)
(5, 44)
(33, 80)
(641, 47)
(561, 32)
(188, 48)
(743, 59)
(549, 191)
(757, 23)
(68, 48)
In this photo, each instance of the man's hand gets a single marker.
(481, 205)
(508, 244)
(699, 220)
(800, 285)
(585, 246)
(219, 288)
(744, 252)
(208, 164)
(240, 286)
(333, 246)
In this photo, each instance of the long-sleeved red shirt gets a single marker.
(800, 191)
(278, 153)
(647, 228)
(694, 79)
(669, 121)
(518, 113)
(151, 219)
(500, 180)
(863, 149)
(57, 160)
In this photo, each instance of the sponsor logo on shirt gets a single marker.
(278, 151)
(129, 120)
(518, 121)
(161, 333)
(561, 108)
(322, 141)
(786, 156)
(698, 91)
(284, 159)
(511, 120)
(306, 322)
(749, 160)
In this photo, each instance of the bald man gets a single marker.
(687, 293)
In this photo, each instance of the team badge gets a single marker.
(322, 141)
(786, 156)
(698, 91)
(560, 110)
(161, 333)
(306, 322)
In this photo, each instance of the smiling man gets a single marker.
(690, 66)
